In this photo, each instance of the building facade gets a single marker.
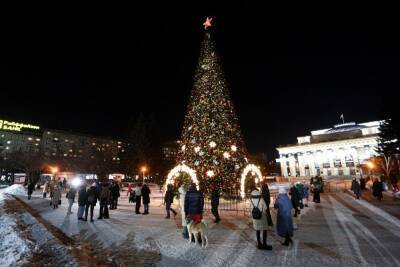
(338, 151)
(28, 138)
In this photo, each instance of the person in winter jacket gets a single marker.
(377, 188)
(45, 189)
(129, 189)
(114, 190)
(260, 224)
(168, 200)
(146, 198)
(194, 204)
(284, 223)
(104, 198)
(306, 192)
(356, 188)
(138, 194)
(71, 199)
(295, 200)
(82, 200)
(215, 202)
(91, 201)
(316, 189)
(182, 196)
(56, 196)
(31, 187)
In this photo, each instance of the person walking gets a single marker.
(377, 188)
(356, 188)
(91, 201)
(56, 199)
(45, 189)
(71, 199)
(284, 223)
(182, 195)
(168, 200)
(104, 199)
(260, 221)
(146, 198)
(215, 202)
(138, 194)
(31, 187)
(306, 192)
(82, 201)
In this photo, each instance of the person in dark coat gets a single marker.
(294, 197)
(82, 200)
(265, 194)
(168, 200)
(146, 198)
(377, 188)
(104, 198)
(114, 195)
(316, 189)
(194, 204)
(31, 187)
(362, 183)
(284, 223)
(91, 201)
(215, 202)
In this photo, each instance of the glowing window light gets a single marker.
(178, 169)
(197, 149)
(249, 168)
(233, 148)
(227, 155)
(213, 144)
(30, 138)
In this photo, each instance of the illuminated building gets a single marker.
(28, 138)
(337, 151)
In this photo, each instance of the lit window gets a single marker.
(30, 138)
(7, 147)
(66, 140)
(48, 132)
(55, 139)
(9, 142)
(36, 144)
(65, 155)
(119, 142)
(93, 144)
(38, 139)
(119, 146)
(70, 150)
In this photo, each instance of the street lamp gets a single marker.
(370, 165)
(143, 169)
(54, 171)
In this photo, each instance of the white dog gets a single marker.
(195, 228)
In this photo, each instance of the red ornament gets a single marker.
(207, 23)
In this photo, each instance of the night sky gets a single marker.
(286, 78)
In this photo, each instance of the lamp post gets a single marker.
(143, 169)
(370, 167)
(54, 171)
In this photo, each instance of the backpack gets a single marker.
(256, 212)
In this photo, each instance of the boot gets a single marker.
(265, 246)
(259, 244)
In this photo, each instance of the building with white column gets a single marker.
(333, 152)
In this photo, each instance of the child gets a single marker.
(132, 197)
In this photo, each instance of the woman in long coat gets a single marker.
(182, 194)
(146, 198)
(56, 196)
(262, 223)
(284, 223)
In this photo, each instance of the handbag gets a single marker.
(269, 218)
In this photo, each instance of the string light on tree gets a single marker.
(233, 148)
(213, 144)
(227, 155)
(197, 149)
(210, 174)
(183, 148)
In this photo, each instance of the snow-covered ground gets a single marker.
(341, 231)
(14, 249)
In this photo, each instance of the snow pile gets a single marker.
(15, 189)
(13, 249)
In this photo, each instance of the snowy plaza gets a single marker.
(340, 231)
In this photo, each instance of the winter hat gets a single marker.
(282, 190)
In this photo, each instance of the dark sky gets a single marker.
(286, 77)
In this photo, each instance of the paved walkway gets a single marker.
(341, 231)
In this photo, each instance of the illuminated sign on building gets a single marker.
(16, 126)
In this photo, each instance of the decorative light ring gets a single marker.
(178, 169)
(252, 169)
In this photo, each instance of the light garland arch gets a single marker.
(181, 168)
(249, 168)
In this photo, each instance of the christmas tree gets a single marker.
(211, 142)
